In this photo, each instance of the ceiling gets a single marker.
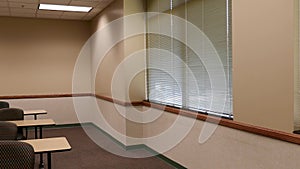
(29, 9)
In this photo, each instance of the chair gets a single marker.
(8, 131)
(11, 114)
(4, 104)
(16, 155)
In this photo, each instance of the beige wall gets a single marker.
(104, 70)
(263, 59)
(135, 89)
(297, 70)
(263, 83)
(135, 69)
(111, 62)
(110, 13)
(38, 55)
(113, 58)
(226, 149)
(61, 110)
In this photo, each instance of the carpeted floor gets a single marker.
(85, 154)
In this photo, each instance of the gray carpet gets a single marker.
(85, 154)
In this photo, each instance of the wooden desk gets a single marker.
(49, 145)
(34, 123)
(35, 113)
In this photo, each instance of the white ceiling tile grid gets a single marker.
(29, 8)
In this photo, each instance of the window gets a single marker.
(177, 75)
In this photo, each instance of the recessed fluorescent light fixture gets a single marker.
(64, 8)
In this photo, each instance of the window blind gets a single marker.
(176, 75)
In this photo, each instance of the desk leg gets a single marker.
(49, 160)
(41, 132)
(35, 133)
(35, 129)
(42, 166)
(41, 156)
(26, 132)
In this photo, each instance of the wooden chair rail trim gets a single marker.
(119, 102)
(275, 134)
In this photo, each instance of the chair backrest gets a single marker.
(10, 114)
(16, 155)
(8, 131)
(4, 104)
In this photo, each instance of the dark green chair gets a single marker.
(11, 114)
(4, 104)
(8, 131)
(16, 155)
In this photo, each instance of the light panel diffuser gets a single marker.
(64, 8)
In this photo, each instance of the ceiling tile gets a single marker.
(28, 8)
(21, 10)
(3, 4)
(23, 5)
(4, 14)
(71, 17)
(103, 4)
(61, 2)
(48, 16)
(89, 16)
(96, 10)
(84, 3)
(75, 14)
(106, 2)
(25, 1)
(32, 15)
(47, 12)
(4, 10)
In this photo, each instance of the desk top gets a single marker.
(34, 112)
(34, 123)
(45, 145)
